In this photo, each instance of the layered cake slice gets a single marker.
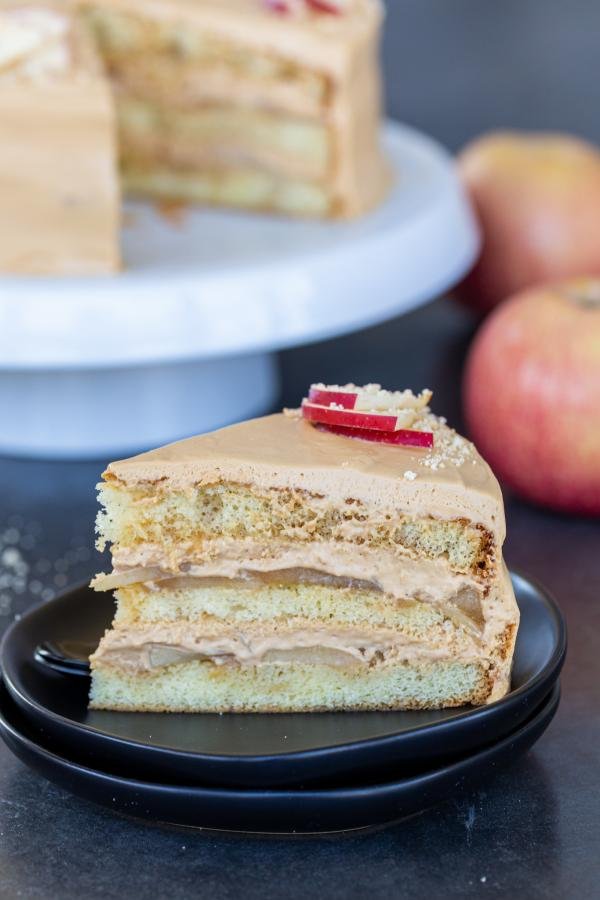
(267, 105)
(59, 195)
(260, 104)
(346, 555)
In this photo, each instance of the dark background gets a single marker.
(453, 68)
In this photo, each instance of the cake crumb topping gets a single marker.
(450, 449)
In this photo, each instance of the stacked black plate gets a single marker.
(261, 773)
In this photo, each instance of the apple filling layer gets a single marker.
(155, 646)
(385, 569)
(220, 137)
(246, 188)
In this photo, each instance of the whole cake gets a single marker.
(270, 105)
(347, 555)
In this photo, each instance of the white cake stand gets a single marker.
(183, 340)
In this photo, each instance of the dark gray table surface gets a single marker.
(453, 68)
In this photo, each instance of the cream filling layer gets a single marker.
(391, 571)
(152, 647)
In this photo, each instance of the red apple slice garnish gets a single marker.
(325, 397)
(325, 6)
(368, 399)
(278, 6)
(329, 415)
(330, 7)
(403, 437)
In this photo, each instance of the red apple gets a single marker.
(537, 197)
(532, 394)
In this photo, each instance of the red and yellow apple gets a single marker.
(537, 197)
(532, 394)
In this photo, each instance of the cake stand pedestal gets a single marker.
(183, 340)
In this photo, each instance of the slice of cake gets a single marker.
(342, 556)
(260, 104)
(59, 196)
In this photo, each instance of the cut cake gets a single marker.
(263, 106)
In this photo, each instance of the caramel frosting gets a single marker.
(450, 481)
(59, 196)
(154, 646)
(395, 574)
(219, 139)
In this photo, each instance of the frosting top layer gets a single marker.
(316, 39)
(283, 451)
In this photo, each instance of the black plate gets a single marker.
(250, 750)
(269, 811)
